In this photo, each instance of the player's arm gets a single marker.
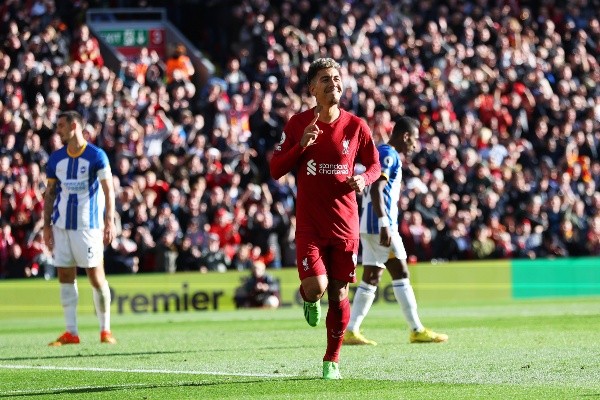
(109, 211)
(288, 152)
(369, 157)
(49, 198)
(378, 201)
(282, 163)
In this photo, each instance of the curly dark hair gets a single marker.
(319, 64)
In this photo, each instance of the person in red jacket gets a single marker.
(323, 144)
(85, 47)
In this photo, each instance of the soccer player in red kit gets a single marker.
(323, 144)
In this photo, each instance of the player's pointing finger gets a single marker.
(315, 119)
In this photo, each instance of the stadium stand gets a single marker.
(507, 92)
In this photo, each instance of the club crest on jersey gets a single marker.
(346, 146)
(82, 170)
(355, 259)
(278, 146)
(305, 264)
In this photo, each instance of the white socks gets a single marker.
(102, 303)
(365, 295)
(361, 304)
(69, 296)
(405, 296)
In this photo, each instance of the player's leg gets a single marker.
(361, 304)
(66, 273)
(341, 269)
(91, 257)
(338, 314)
(374, 257)
(403, 291)
(405, 296)
(313, 277)
(102, 299)
(312, 289)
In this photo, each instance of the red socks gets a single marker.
(338, 315)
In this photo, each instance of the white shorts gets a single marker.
(375, 254)
(83, 248)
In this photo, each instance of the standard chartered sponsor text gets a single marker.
(333, 169)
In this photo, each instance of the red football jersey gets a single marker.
(326, 205)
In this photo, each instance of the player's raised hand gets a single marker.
(356, 182)
(310, 132)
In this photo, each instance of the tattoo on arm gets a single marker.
(49, 198)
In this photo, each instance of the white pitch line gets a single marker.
(143, 371)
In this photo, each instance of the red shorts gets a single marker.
(335, 258)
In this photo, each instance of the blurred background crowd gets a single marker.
(507, 92)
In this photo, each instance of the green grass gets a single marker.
(535, 349)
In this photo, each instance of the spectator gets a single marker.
(7, 241)
(39, 256)
(575, 244)
(179, 61)
(234, 76)
(483, 246)
(18, 266)
(121, 255)
(167, 241)
(425, 251)
(188, 256)
(263, 233)
(243, 260)
(213, 258)
(86, 48)
(593, 236)
(260, 289)
(527, 239)
(239, 114)
(551, 247)
(227, 230)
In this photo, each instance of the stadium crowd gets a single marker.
(507, 93)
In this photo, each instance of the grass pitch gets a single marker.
(534, 349)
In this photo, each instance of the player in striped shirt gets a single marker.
(79, 210)
(381, 241)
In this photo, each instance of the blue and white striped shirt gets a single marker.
(391, 169)
(80, 199)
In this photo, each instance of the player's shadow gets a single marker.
(79, 355)
(134, 386)
(91, 355)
